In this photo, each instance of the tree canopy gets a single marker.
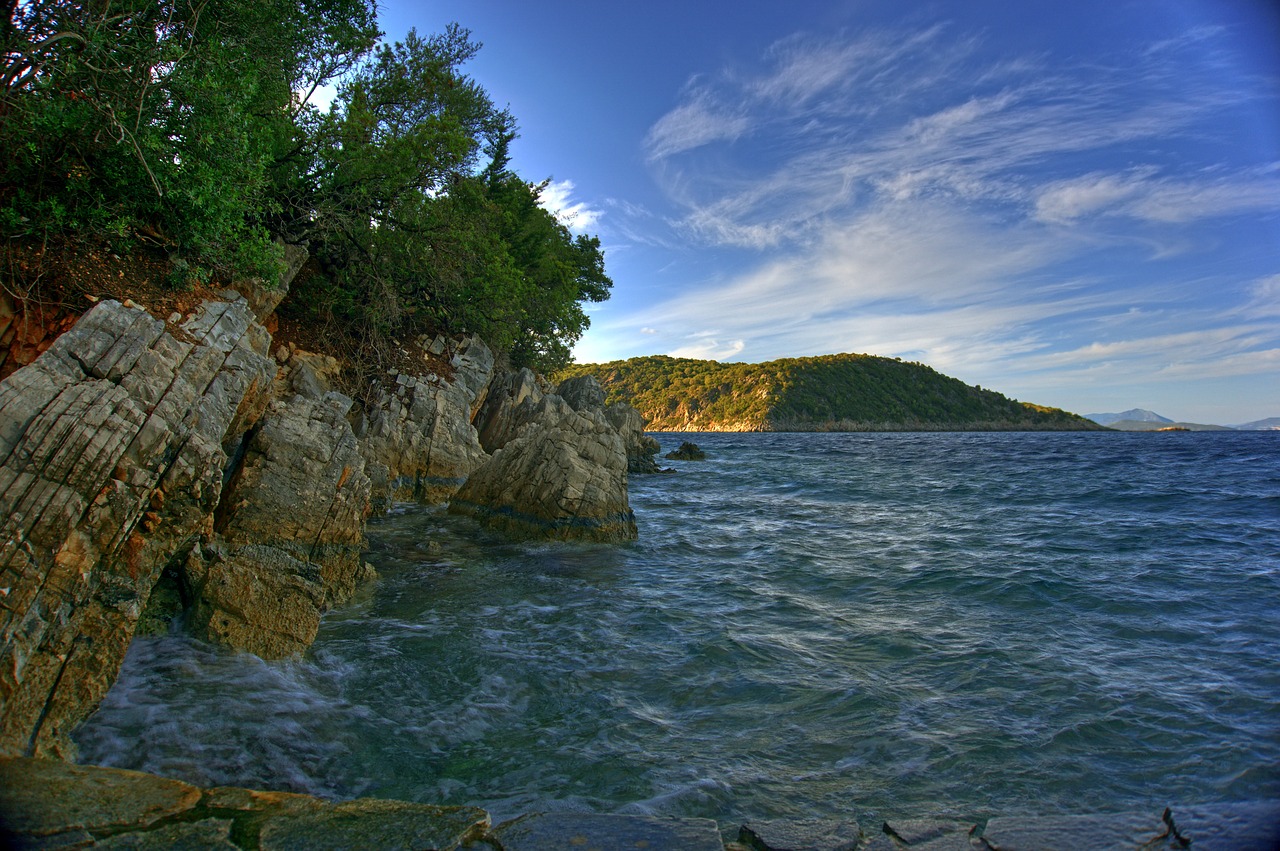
(189, 124)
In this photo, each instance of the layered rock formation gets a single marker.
(112, 451)
(418, 440)
(558, 469)
(134, 449)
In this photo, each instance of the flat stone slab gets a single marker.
(929, 834)
(1049, 833)
(208, 835)
(41, 797)
(374, 823)
(596, 832)
(800, 835)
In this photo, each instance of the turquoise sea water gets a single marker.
(809, 626)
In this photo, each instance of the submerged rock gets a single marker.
(687, 451)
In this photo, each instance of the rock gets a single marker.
(417, 438)
(583, 393)
(1251, 826)
(924, 835)
(371, 823)
(541, 831)
(210, 834)
(51, 804)
(1219, 827)
(511, 404)
(800, 835)
(262, 297)
(307, 374)
(292, 521)
(640, 447)
(563, 477)
(113, 448)
(687, 452)
(40, 798)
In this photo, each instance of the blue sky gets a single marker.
(1074, 204)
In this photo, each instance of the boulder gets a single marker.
(113, 448)
(417, 438)
(584, 393)
(290, 532)
(564, 477)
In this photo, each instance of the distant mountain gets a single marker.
(1269, 424)
(1164, 425)
(845, 392)
(1139, 415)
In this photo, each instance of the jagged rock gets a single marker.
(292, 523)
(687, 451)
(564, 476)
(418, 441)
(510, 405)
(307, 374)
(583, 393)
(640, 447)
(113, 446)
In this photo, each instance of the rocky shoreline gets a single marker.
(184, 457)
(153, 467)
(48, 804)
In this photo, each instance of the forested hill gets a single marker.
(845, 392)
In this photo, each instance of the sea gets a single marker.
(810, 626)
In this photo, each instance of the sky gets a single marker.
(1074, 204)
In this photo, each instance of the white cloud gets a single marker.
(557, 198)
(693, 124)
(708, 346)
(648, 330)
(906, 199)
(1142, 195)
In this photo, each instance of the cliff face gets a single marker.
(136, 452)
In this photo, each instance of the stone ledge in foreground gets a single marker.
(47, 804)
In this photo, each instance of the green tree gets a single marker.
(161, 118)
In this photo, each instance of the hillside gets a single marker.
(845, 392)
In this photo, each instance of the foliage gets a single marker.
(186, 123)
(845, 392)
(159, 119)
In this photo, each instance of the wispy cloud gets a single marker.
(915, 194)
(557, 198)
(698, 121)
